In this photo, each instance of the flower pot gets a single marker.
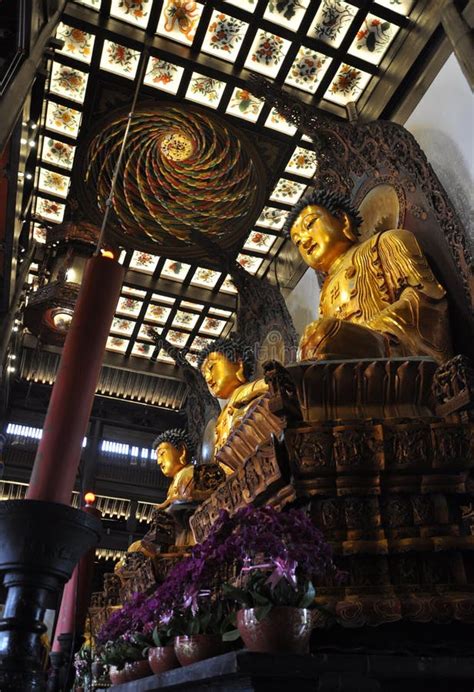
(283, 630)
(117, 677)
(138, 669)
(162, 658)
(197, 647)
(97, 669)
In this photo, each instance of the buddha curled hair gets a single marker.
(176, 437)
(335, 204)
(234, 349)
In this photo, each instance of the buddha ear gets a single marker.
(348, 227)
(240, 374)
(183, 455)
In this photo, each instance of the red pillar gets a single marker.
(59, 450)
(66, 623)
(76, 594)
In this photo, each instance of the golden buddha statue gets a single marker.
(174, 455)
(379, 298)
(227, 365)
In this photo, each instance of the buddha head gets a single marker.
(173, 451)
(323, 227)
(226, 364)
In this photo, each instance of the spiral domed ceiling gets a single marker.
(182, 170)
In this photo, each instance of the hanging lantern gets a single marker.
(49, 310)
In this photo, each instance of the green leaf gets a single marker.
(262, 612)
(231, 636)
(236, 594)
(308, 596)
(259, 599)
(370, 42)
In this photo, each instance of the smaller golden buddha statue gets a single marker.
(227, 366)
(379, 298)
(174, 451)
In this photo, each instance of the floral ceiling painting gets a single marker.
(179, 19)
(207, 278)
(58, 153)
(53, 183)
(119, 59)
(302, 162)
(205, 90)
(244, 105)
(332, 21)
(144, 261)
(163, 75)
(373, 39)
(68, 82)
(276, 121)
(224, 36)
(287, 13)
(308, 69)
(288, 191)
(347, 85)
(78, 43)
(133, 11)
(63, 119)
(272, 217)
(267, 53)
(258, 241)
(157, 313)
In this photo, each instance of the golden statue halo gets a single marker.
(380, 210)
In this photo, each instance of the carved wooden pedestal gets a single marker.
(386, 479)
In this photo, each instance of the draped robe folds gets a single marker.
(380, 299)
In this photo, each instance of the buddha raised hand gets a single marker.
(379, 298)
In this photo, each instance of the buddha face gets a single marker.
(171, 459)
(221, 375)
(321, 237)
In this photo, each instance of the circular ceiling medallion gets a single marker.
(177, 146)
(182, 169)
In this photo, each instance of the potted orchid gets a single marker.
(160, 651)
(262, 560)
(280, 555)
(184, 609)
(82, 671)
(126, 657)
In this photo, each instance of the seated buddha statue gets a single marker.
(227, 366)
(379, 298)
(174, 451)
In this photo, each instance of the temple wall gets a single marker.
(442, 123)
(303, 301)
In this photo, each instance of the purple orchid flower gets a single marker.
(284, 569)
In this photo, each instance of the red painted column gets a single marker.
(66, 623)
(76, 595)
(59, 450)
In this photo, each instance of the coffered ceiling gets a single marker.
(199, 56)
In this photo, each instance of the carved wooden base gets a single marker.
(391, 491)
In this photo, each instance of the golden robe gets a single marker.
(380, 299)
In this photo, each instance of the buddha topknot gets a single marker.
(334, 203)
(175, 437)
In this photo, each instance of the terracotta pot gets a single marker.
(197, 647)
(117, 677)
(138, 669)
(283, 630)
(162, 658)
